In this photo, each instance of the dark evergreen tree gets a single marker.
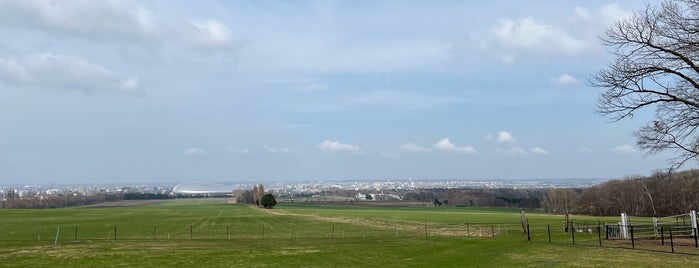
(268, 201)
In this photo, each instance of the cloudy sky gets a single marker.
(165, 91)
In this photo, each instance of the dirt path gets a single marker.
(127, 203)
(409, 226)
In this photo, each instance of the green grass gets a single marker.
(306, 236)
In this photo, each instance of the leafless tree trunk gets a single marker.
(647, 193)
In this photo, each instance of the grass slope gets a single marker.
(299, 236)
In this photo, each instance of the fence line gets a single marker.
(673, 239)
(84, 232)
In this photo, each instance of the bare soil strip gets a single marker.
(128, 203)
(410, 226)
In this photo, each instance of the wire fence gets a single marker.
(85, 232)
(674, 238)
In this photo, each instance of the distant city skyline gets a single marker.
(169, 91)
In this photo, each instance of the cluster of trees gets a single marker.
(438, 203)
(146, 196)
(256, 196)
(661, 194)
(57, 201)
(561, 201)
(516, 198)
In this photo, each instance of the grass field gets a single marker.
(209, 233)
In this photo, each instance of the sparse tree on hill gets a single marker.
(656, 66)
(255, 196)
(368, 197)
(243, 196)
(259, 194)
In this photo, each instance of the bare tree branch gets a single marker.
(656, 66)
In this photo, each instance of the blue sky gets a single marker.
(165, 91)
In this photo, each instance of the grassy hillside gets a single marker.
(210, 233)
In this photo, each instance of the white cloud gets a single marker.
(507, 58)
(194, 151)
(389, 155)
(446, 146)
(316, 87)
(624, 149)
(412, 148)
(585, 150)
(504, 136)
(46, 70)
(303, 50)
(401, 99)
(605, 16)
(512, 151)
(582, 13)
(84, 18)
(275, 150)
(129, 84)
(530, 34)
(209, 34)
(391, 99)
(565, 80)
(336, 146)
(611, 13)
(540, 151)
(236, 150)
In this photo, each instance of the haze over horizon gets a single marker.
(167, 91)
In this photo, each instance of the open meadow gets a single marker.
(210, 233)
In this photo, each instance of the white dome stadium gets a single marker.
(202, 188)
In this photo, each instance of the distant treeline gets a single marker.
(70, 200)
(660, 194)
(58, 201)
(146, 196)
(514, 198)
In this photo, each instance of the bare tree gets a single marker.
(260, 194)
(255, 195)
(560, 201)
(656, 65)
